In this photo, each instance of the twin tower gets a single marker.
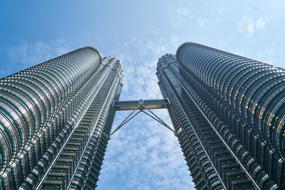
(228, 114)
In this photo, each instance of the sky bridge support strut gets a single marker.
(142, 106)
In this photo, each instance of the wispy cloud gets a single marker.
(144, 155)
(202, 23)
(249, 25)
(36, 52)
(139, 58)
(23, 55)
(183, 13)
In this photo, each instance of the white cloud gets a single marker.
(260, 23)
(36, 52)
(146, 156)
(139, 58)
(202, 23)
(183, 13)
(23, 55)
(249, 25)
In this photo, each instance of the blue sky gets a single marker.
(142, 155)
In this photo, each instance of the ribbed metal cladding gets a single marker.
(253, 88)
(233, 107)
(48, 108)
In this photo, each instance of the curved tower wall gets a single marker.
(30, 97)
(40, 108)
(253, 89)
(220, 108)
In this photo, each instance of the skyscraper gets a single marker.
(228, 112)
(55, 121)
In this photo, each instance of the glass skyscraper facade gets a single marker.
(55, 121)
(228, 112)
